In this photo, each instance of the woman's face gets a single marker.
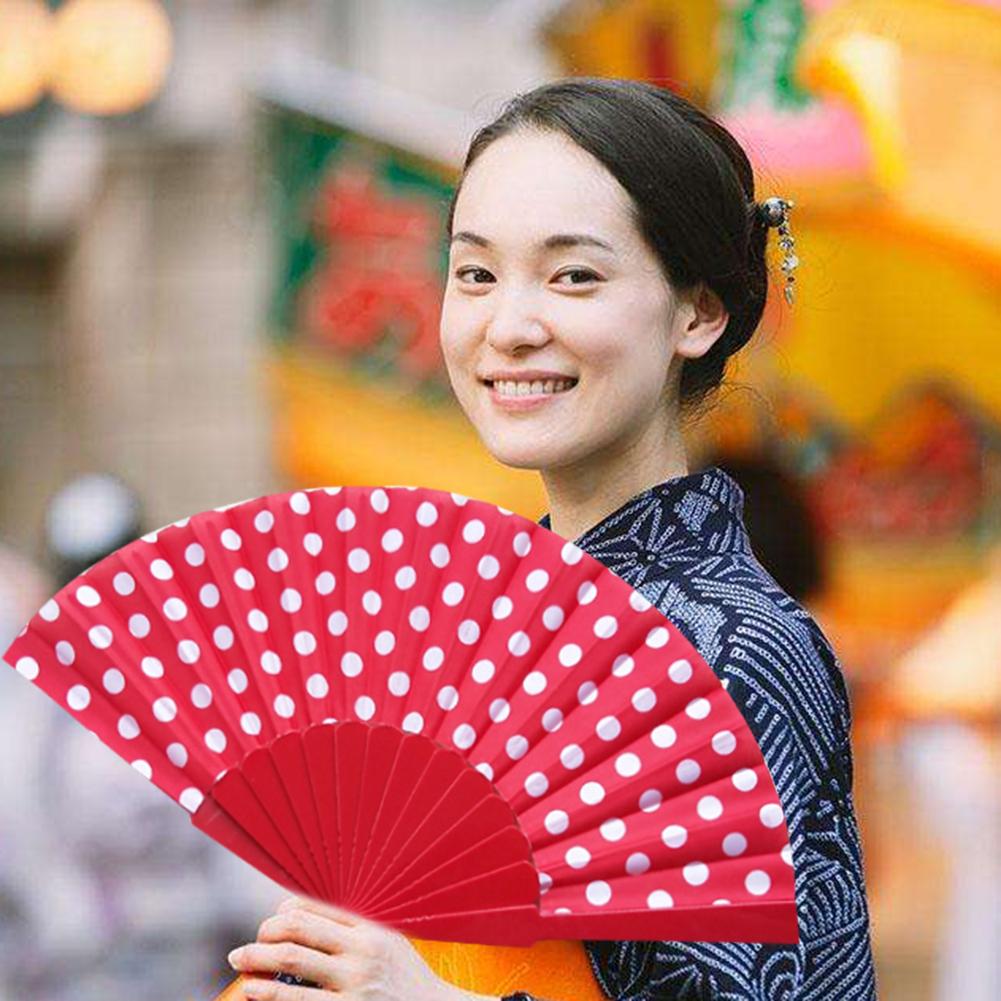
(601, 315)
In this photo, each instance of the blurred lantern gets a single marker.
(109, 56)
(25, 37)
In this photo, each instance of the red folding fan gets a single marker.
(429, 710)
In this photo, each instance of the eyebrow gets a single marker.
(550, 242)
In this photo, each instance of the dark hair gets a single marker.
(692, 188)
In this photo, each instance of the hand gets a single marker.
(348, 956)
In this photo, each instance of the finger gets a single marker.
(271, 990)
(339, 914)
(305, 927)
(286, 957)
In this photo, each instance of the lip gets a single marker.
(527, 375)
(527, 402)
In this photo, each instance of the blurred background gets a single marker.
(221, 262)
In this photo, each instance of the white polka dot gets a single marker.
(128, 726)
(464, 736)
(516, 746)
(758, 882)
(572, 756)
(433, 658)
(317, 686)
(557, 821)
(250, 723)
(345, 519)
(521, 544)
(453, 593)
(379, 500)
(744, 779)
(734, 844)
(637, 864)
(237, 680)
(537, 580)
(114, 681)
(695, 873)
(277, 559)
(271, 663)
(398, 683)
(124, 583)
(613, 829)
(650, 800)
(364, 707)
(27, 667)
(359, 560)
(161, 569)
(427, 514)
(440, 555)
(351, 664)
(577, 857)
(299, 502)
(674, 835)
(628, 764)
(534, 683)
(483, 671)
(552, 617)
(680, 672)
(657, 637)
(488, 567)
(257, 620)
(598, 892)
(264, 521)
(592, 793)
(608, 728)
(50, 610)
(605, 626)
(231, 540)
(304, 642)
(552, 719)
(139, 625)
(536, 784)
(659, 899)
(222, 637)
(208, 595)
(284, 706)
(78, 697)
(215, 740)
(698, 708)
(448, 697)
(644, 699)
(337, 623)
(724, 742)
(201, 696)
(312, 543)
(545, 882)
(499, 710)
(587, 592)
(152, 667)
(413, 722)
(188, 651)
(325, 582)
(177, 754)
(100, 637)
(165, 709)
(587, 693)
(786, 854)
(194, 554)
(175, 609)
(191, 798)
(65, 653)
(688, 771)
(501, 607)
(473, 530)
(519, 643)
(371, 601)
(87, 596)
(771, 815)
(663, 735)
(709, 808)
(570, 654)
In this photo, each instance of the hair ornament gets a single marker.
(775, 212)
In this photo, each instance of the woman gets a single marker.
(607, 257)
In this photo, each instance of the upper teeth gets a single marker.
(527, 388)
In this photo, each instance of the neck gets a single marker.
(582, 494)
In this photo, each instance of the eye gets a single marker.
(588, 275)
(462, 271)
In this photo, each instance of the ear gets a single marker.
(701, 320)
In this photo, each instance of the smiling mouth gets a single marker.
(572, 383)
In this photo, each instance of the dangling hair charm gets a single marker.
(775, 212)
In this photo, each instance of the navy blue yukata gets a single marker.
(682, 544)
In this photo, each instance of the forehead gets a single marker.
(528, 184)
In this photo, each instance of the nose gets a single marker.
(515, 320)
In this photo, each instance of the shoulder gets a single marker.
(772, 653)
